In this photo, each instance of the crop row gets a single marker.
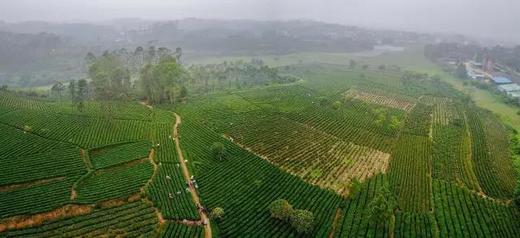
(490, 153)
(381, 99)
(169, 193)
(114, 182)
(311, 154)
(462, 213)
(25, 157)
(452, 147)
(35, 199)
(116, 154)
(410, 173)
(135, 219)
(244, 186)
(83, 131)
(356, 218)
(180, 230)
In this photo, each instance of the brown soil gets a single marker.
(19, 222)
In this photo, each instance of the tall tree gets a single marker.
(82, 94)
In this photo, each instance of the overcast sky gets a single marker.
(498, 19)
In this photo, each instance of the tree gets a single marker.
(57, 88)
(461, 71)
(382, 67)
(352, 64)
(281, 209)
(110, 78)
(183, 92)
(218, 150)
(161, 82)
(302, 221)
(4, 88)
(382, 207)
(336, 105)
(72, 90)
(90, 58)
(82, 94)
(178, 54)
(217, 213)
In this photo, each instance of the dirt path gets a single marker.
(187, 177)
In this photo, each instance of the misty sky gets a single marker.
(494, 19)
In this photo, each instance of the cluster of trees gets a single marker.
(163, 82)
(160, 76)
(301, 220)
(238, 74)
(79, 93)
(382, 206)
(136, 59)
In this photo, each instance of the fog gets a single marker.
(497, 19)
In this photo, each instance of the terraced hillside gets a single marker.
(341, 143)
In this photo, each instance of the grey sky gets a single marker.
(498, 19)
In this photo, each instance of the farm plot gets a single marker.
(179, 230)
(168, 192)
(410, 173)
(419, 120)
(415, 225)
(119, 153)
(462, 213)
(490, 153)
(25, 157)
(83, 131)
(135, 219)
(356, 123)
(244, 185)
(392, 101)
(315, 156)
(115, 182)
(356, 219)
(37, 198)
(452, 146)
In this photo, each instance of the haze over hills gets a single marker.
(276, 118)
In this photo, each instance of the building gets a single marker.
(501, 80)
(508, 88)
(515, 94)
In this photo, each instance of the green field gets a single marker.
(330, 143)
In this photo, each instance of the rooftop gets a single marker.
(501, 80)
(509, 87)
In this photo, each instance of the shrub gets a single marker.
(302, 221)
(281, 209)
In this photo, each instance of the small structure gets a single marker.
(501, 80)
(507, 88)
(515, 94)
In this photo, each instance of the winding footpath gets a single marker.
(194, 195)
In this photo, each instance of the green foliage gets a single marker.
(302, 220)
(461, 72)
(281, 209)
(134, 219)
(116, 154)
(336, 105)
(382, 206)
(218, 150)
(114, 182)
(162, 82)
(217, 213)
(110, 78)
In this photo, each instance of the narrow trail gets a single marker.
(187, 177)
